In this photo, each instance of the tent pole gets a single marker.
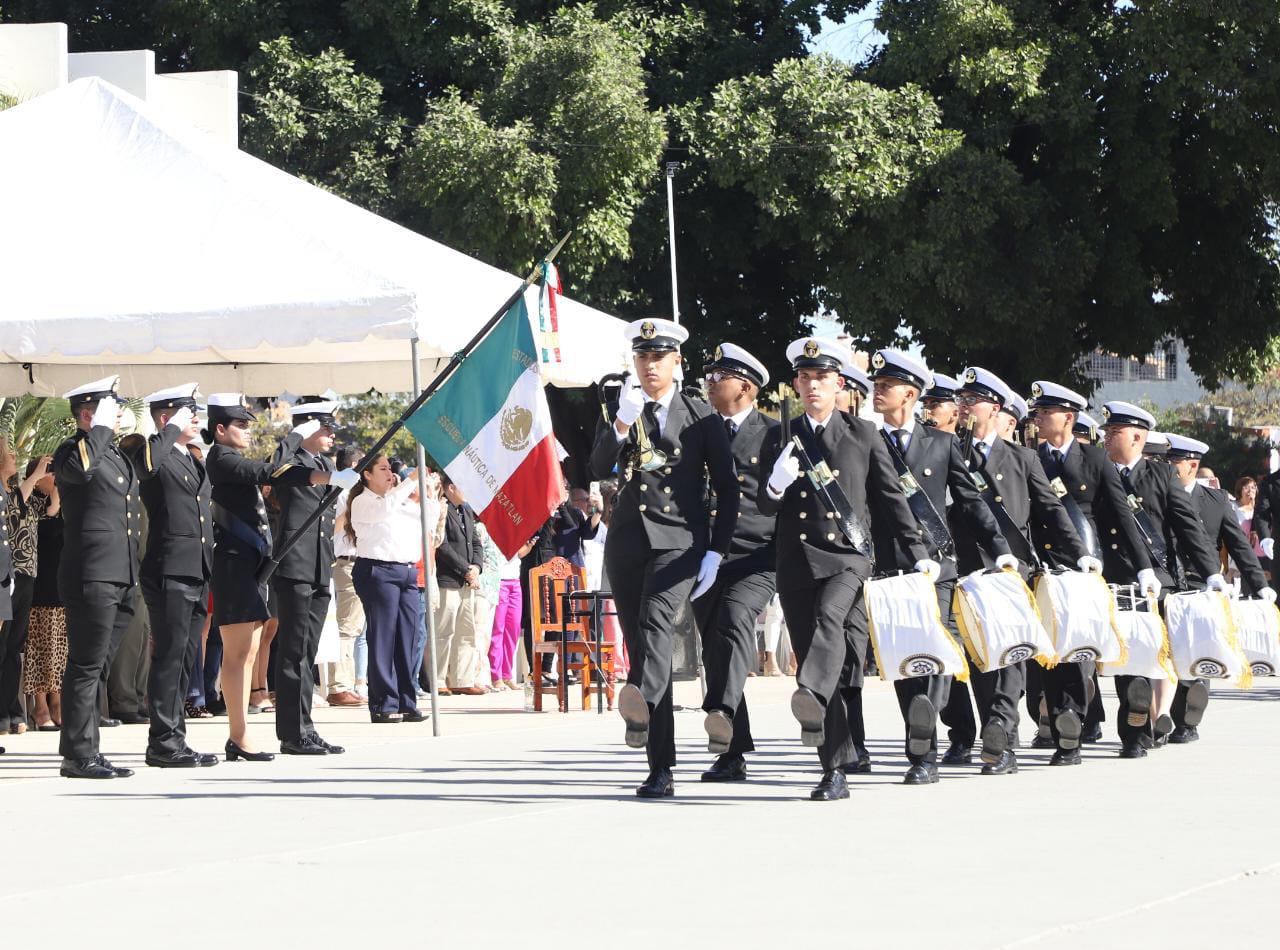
(428, 569)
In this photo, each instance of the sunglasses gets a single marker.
(718, 375)
(967, 399)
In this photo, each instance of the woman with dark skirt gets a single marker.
(242, 543)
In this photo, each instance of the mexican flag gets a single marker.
(488, 425)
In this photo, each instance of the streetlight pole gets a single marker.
(672, 167)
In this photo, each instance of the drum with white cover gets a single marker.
(1079, 614)
(907, 633)
(1202, 637)
(1146, 641)
(1258, 632)
(997, 616)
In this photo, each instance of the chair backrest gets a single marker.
(548, 583)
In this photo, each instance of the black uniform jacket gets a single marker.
(460, 548)
(1266, 510)
(1173, 518)
(935, 460)
(311, 559)
(671, 505)
(100, 511)
(1221, 525)
(752, 550)
(235, 481)
(177, 493)
(810, 547)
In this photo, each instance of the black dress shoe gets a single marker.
(234, 752)
(1092, 733)
(1132, 750)
(922, 773)
(205, 759)
(1007, 764)
(1069, 728)
(659, 784)
(810, 713)
(120, 770)
(1184, 734)
(832, 787)
(719, 729)
(958, 754)
(1139, 700)
(635, 714)
(301, 747)
(995, 742)
(1065, 757)
(132, 718)
(328, 747)
(921, 717)
(381, 718)
(860, 766)
(86, 768)
(1162, 727)
(1197, 703)
(106, 722)
(186, 759)
(1043, 742)
(414, 715)
(726, 768)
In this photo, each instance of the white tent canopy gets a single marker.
(132, 246)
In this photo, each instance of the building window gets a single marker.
(1160, 365)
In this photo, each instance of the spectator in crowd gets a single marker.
(458, 564)
(46, 656)
(384, 525)
(575, 523)
(24, 507)
(130, 667)
(505, 635)
(1246, 495)
(486, 602)
(338, 680)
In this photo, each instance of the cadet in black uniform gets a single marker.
(857, 387)
(726, 614)
(302, 578)
(928, 461)
(1214, 508)
(939, 401)
(661, 549)
(1172, 535)
(1266, 521)
(824, 555)
(1017, 491)
(98, 570)
(175, 570)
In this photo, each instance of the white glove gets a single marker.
(1217, 582)
(1089, 565)
(1148, 583)
(343, 479)
(1267, 594)
(1268, 548)
(630, 404)
(1005, 562)
(108, 413)
(785, 471)
(706, 574)
(930, 569)
(182, 418)
(307, 429)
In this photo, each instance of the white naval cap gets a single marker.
(1016, 407)
(1183, 447)
(733, 358)
(896, 364)
(224, 407)
(174, 397)
(1085, 424)
(1118, 413)
(986, 384)
(815, 352)
(655, 335)
(95, 391)
(943, 389)
(1047, 395)
(854, 377)
(313, 408)
(1157, 444)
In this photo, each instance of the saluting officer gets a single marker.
(1214, 508)
(176, 568)
(98, 570)
(928, 461)
(302, 578)
(1015, 488)
(726, 614)
(1172, 535)
(939, 402)
(661, 548)
(824, 545)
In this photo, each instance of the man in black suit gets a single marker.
(1173, 537)
(726, 614)
(1014, 486)
(824, 546)
(1213, 505)
(98, 569)
(1266, 521)
(459, 561)
(929, 464)
(176, 568)
(661, 549)
(301, 581)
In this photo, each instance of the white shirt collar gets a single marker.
(990, 440)
(814, 423)
(665, 399)
(1121, 466)
(739, 417)
(909, 427)
(1062, 449)
(182, 448)
(1190, 488)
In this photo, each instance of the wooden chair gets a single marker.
(576, 646)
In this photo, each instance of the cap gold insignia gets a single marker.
(971, 375)
(877, 361)
(811, 348)
(719, 354)
(1037, 390)
(1106, 413)
(648, 331)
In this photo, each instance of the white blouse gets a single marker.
(388, 527)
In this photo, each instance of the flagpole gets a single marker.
(428, 568)
(330, 496)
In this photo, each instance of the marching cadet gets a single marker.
(1012, 415)
(176, 569)
(727, 612)
(857, 386)
(1015, 488)
(1089, 488)
(661, 549)
(98, 570)
(824, 548)
(939, 402)
(1214, 508)
(1086, 429)
(1171, 534)
(1266, 521)
(301, 580)
(928, 463)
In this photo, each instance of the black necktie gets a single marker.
(1124, 478)
(817, 432)
(1055, 461)
(651, 417)
(982, 448)
(900, 437)
(731, 428)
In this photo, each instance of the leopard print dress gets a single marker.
(46, 651)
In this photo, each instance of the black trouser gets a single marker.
(392, 604)
(177, 607)
(1034, 685)
(1096, 714)
(819, 620)
(957, 715)
(997, 694)
(649, 589)
(98, 613)
(937, 688)
(726, 617)
(1129, 734)
(303, 606)
(131, 666)
(1178, 712)
(13, 640)
(1066, 689)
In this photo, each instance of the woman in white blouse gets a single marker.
(383, 522)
